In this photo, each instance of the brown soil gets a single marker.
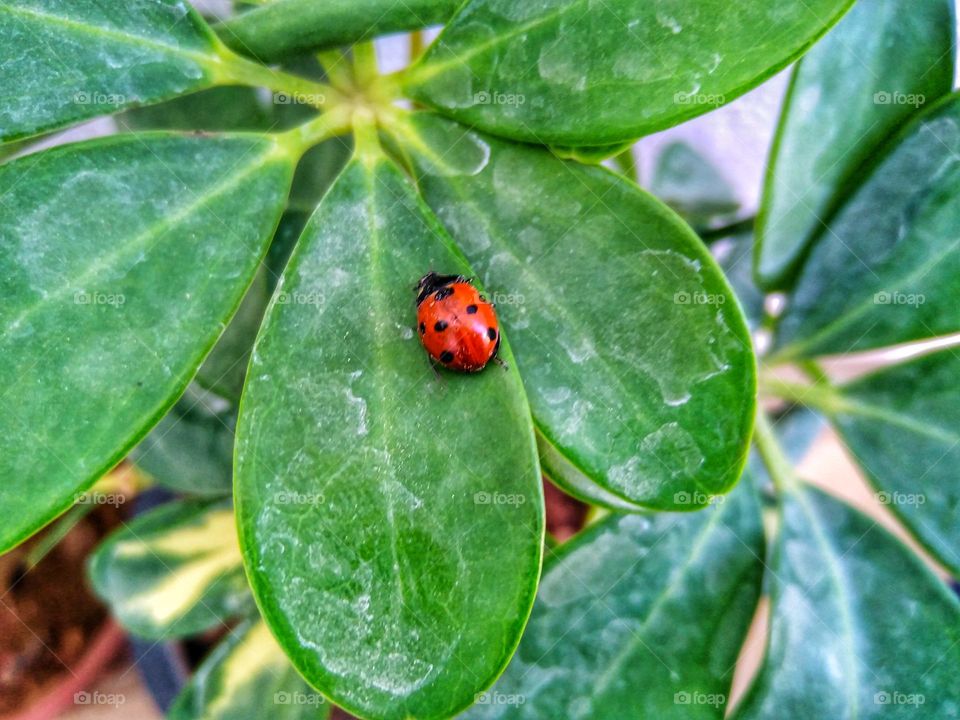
(47, 614)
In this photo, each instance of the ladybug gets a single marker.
(457, 326)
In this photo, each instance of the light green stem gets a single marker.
(818, 396)
(238, 70)
(770, 451)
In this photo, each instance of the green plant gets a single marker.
(390, 525)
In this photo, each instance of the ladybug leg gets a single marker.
(496, 356)
(436, 372)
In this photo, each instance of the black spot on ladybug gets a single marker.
(423, 329)
(492, 333)
(440, 325)
(471, 309)
(443, 293)
(446, 357)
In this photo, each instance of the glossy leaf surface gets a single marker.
(121, 260)
(386, 553)
(247, 677)
(633, 351)
(191, 449)
(573, 72)
(68, 60)
(174, 571)
(901, 425)
(282, 28)
(885, 59)
(888, 271)
(639, 617)
(860, 628)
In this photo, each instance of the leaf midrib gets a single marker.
(698, 546)
(855, 408)
(844, 603)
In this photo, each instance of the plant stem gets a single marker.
(336, 65)
(240, 71)
(416, 45)
(818, 396)
(771, 453)
(365, 63)
(334, 122)
(366, 139)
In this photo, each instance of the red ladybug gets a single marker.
(457, 326)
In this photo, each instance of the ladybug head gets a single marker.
(431, 282)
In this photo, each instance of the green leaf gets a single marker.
(191, 448)
(847, 95)
(626, 334)
(68, 61)
(900, 424)
(216, 109)
(286, 27)
(691, 185)
(574, 72)
(639, 617)
(860, 627)
(224, 369)
(888, 270)
(391, 523)
(591, 155)
(174, 571)
(247, 677)
(121, 260)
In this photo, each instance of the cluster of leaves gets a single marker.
(390, 526)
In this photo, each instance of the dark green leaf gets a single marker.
(860, 628)
(575, 72)
(217, 109)
(286, 27)
(901, 425)
(888, 270)
(174, 571)
(632, 348)
(391, 523)
(65, 61)
(639, 618)
(191, 448)
(247, 677)
(735, 256)
(691, 185)
(225, 367)
(121, 260)
(882, 61)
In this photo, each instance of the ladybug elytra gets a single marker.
(456, 324)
